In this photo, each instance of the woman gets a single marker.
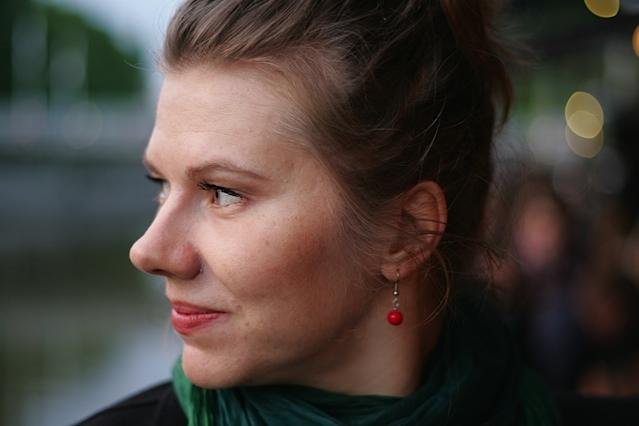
(323, 168)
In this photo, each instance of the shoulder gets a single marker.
(155, 406)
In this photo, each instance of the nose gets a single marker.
(164, 248)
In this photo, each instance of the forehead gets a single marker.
(203, 98)
(224, 111)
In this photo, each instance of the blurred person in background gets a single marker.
(569, 279)
(608, 302)
(539, 281)
(608, 296)
(610, 318)
(323, 168)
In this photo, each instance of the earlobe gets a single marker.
(422, 221)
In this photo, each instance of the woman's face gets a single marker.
(247, 236)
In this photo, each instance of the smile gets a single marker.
(187, 319)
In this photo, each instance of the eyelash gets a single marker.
(158, 181)
(209, 187)
(205, 186)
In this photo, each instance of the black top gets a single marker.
(158, 406)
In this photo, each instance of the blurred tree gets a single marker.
(78, 57)
(110, 70)
(9, 9)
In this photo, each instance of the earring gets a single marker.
(395, 316)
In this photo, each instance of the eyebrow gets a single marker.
(211, 166)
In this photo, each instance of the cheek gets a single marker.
(276, 257)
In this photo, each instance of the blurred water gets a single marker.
(79, 326)
(69, 379)
(141, 356)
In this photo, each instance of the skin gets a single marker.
(268, 252)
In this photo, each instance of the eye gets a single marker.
(223, 197)
(164, 188)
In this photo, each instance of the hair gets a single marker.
(391, 92)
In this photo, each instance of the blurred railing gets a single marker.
(30, 125)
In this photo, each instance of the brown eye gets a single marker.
(226, 198)
(223, 197)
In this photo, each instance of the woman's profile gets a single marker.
(323, 168)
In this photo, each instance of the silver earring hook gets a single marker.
(396, 292)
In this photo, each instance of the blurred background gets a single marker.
(79, 327)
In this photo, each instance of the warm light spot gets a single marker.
(603, 8)
(635, 40)
(584, 147)
(584, 115)
(584, 124)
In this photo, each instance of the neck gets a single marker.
(377, 358)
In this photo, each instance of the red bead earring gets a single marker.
(395, 316)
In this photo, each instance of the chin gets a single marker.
(211, 372)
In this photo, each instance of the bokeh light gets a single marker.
(635, 40)
(544, 137)
(603, 8)
(584, 115)
(584, 147)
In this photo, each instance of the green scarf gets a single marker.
(474, 378)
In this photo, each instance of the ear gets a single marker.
(419, 226)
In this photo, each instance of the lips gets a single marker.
(187, 318)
